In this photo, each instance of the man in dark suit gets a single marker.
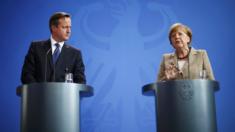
(49, 60)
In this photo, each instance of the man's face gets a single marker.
(62, 32)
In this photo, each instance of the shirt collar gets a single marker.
(53, 42)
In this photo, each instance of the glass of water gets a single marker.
(69, 77)
(203, 74)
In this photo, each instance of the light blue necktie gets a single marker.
(56, 53)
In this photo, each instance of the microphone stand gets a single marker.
(45, 78)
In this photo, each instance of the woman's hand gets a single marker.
(172, 72)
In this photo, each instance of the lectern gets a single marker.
(184, 105)
(51, 107)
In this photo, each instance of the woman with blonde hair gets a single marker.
(185, 62)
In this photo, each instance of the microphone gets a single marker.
(66, 70)
(45, 78)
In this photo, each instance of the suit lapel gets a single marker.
(174, 59)
(192, 58)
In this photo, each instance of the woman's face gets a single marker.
(179, 39)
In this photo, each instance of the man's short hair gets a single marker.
(54, 19)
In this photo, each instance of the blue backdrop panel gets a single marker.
(122, 44)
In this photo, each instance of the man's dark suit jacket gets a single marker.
(38, 65)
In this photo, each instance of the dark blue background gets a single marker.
(122, 44)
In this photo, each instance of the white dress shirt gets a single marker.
(53, 46)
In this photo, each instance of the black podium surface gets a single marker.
(51, 107)
(184, 105)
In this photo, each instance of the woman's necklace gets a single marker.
(186, 58)
(184, 54)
